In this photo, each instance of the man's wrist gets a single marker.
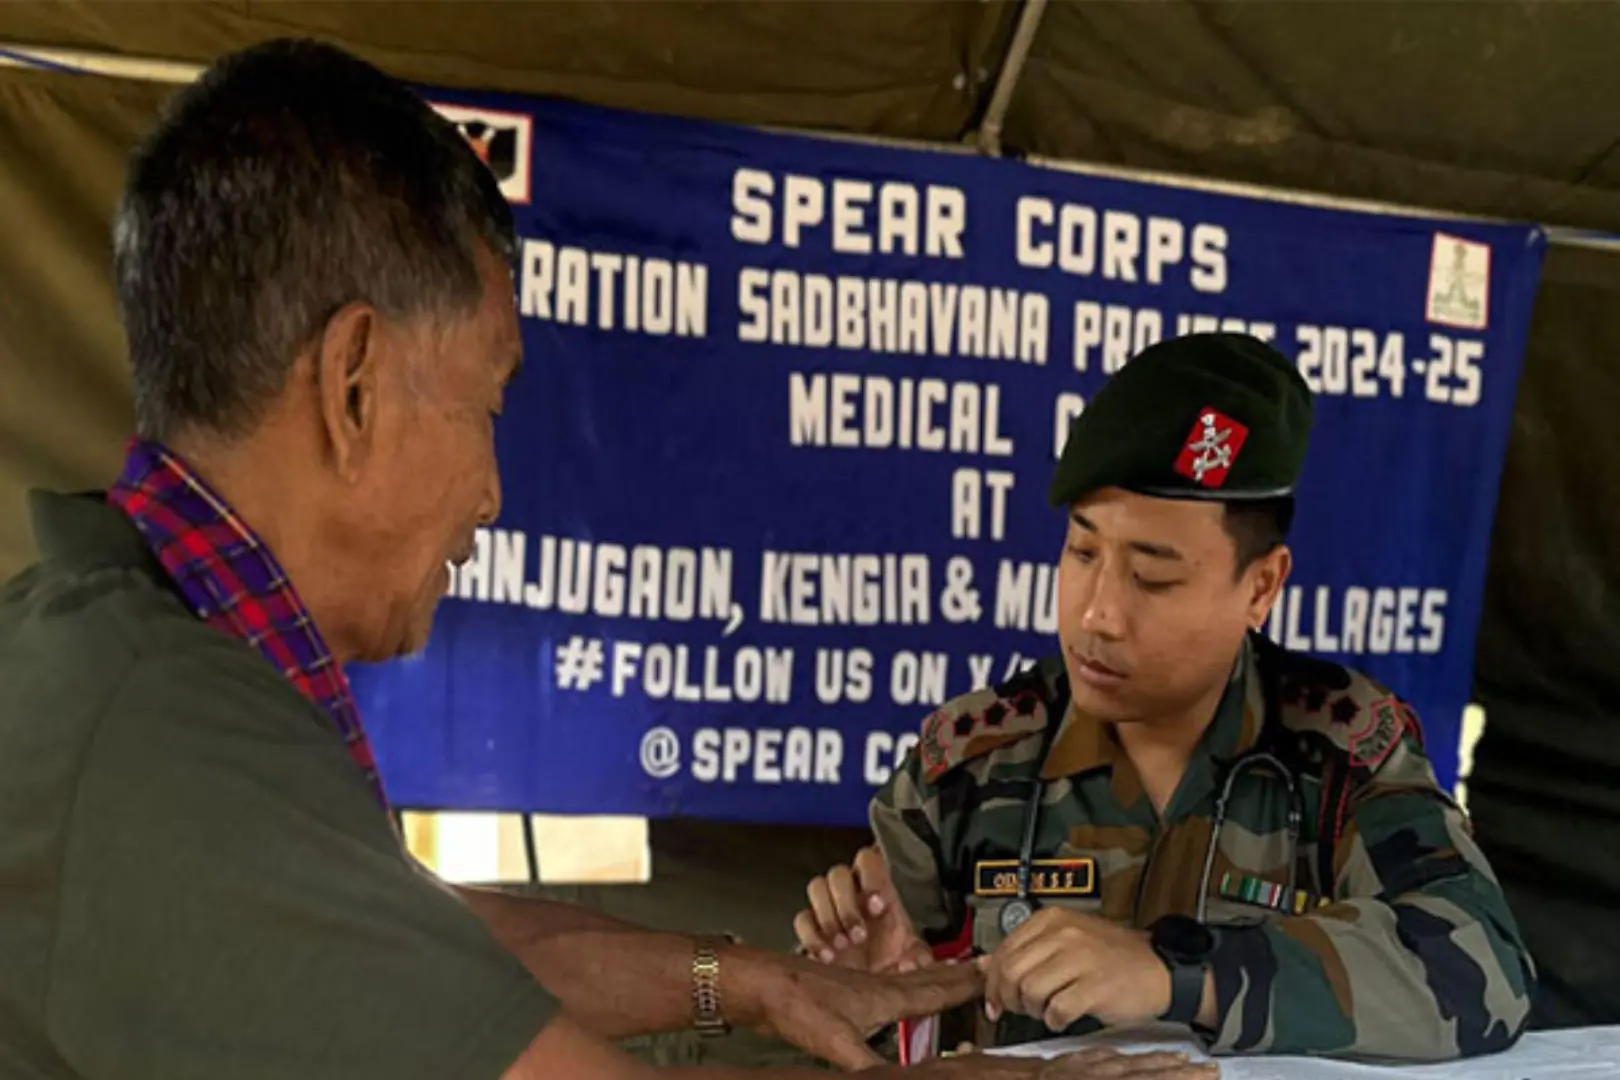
(708, 1005)
(746, 978)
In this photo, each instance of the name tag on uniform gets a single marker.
(1047, 877)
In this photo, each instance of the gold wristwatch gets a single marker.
(708, 1012)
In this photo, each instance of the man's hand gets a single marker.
(855, 920)
(1062, 965)
(1093, 1064)
(831, 1011)
(564, 1051)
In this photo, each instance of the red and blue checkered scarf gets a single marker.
(234, 583)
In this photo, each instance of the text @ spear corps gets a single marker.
(791, 755)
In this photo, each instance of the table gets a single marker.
(1575, 1054)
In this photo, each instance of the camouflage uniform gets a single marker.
(1398, 942)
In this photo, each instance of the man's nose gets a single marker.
(490, 508)
(1100, 606)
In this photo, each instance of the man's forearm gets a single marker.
(615, 979)
(528, 916)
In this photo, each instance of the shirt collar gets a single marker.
(232, 580)
(1084, 744)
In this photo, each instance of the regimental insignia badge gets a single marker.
(1211, 448)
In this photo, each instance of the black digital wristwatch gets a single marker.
(1184, 944)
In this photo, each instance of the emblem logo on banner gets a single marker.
(1459, 283)
(502, 140)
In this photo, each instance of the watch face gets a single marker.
(1182, 939)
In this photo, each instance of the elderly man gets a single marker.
(199, 877)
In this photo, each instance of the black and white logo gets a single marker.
(502, 140)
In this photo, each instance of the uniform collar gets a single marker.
(1084, 744)
(1235, 731)
(1241, 716)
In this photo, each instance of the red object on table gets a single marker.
(923, 1029)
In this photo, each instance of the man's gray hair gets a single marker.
(289, 180)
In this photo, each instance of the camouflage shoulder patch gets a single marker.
(1355, 715)
(1375, 733)
(974, 724)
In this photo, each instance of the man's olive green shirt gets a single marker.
(196, 882)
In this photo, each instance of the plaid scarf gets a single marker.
(233, 582)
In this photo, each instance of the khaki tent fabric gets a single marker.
(1474, 106)
(1479, 106)
(880, 67)
(64, 390)
(1544, 793)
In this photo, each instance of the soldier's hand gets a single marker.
(1092, 1064)
(1063, 965)
(855, 920)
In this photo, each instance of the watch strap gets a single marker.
(1186, 991)
(708, 1008)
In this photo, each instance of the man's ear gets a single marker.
(1265, 581)
(348, 357)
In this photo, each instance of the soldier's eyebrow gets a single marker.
(1141, 547)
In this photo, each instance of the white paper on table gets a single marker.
(1577, 1054)
(1137, 1040)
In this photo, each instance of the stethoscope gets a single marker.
(1019, 910)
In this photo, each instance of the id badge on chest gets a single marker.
(1025, 886)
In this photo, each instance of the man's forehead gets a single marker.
(499, 315)
(1183, 524)
(1119, 506)
(507, 350)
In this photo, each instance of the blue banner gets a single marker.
(775, 467)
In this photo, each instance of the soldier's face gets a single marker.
(1151, 610)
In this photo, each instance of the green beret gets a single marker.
(1206, 416)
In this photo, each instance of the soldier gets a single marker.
(1176, 819)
